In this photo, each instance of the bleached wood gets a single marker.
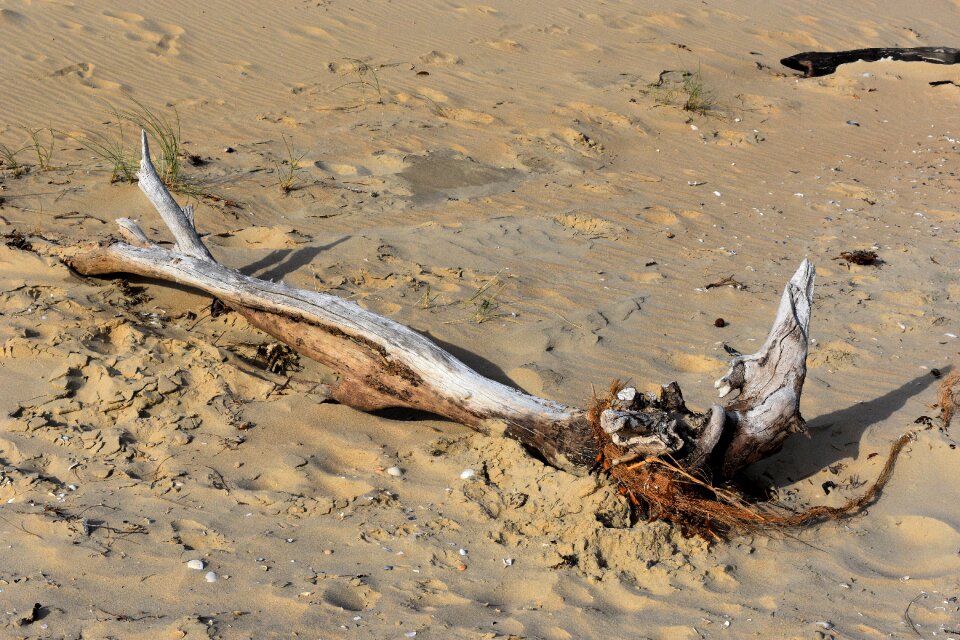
(179, 221)
(770, 381)
(382, 363)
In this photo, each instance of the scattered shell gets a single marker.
(826, 624)
(466, 474)
(195, 564)
(396, 472)
(210, 577)
(461, 567)
(328, 552)
(853, 123)
(508, 562)
(410, 634)
(463, 552)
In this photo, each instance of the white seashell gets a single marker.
(210, 577)
(396, 472)
(195, 564)
(466, 474)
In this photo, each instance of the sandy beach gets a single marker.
(546, 189)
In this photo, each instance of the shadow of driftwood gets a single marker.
(837, 435)
(282, 262)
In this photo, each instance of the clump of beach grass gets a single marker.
(288, 168)
(43, 150)
(165, 130)
(687, 90)
(113, 151)
(8, 158)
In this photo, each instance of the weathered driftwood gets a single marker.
(382, 363)
(823, 63)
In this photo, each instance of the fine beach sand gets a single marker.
(504, 178)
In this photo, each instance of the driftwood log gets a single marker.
(382, 363)
(822, 63)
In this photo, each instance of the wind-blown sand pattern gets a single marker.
(505, 178)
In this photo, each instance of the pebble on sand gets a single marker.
(466, 474)
(396, 472)
(195, 564)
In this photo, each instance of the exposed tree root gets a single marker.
(659, 488)
(948, 398)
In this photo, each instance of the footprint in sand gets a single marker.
(506, 44)
(479, 8)
(83, 72)
(81, 69)
(311, 33)
(660, 216)
(355, 596)
(440, 58)
(195, 536)
(162, 38)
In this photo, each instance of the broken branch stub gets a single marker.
(382, 363)
(770, 381)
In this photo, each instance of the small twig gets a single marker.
(906, 613)
(22, 528)
(729, 281)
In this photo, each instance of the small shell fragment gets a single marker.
(396, 472)
(210, 577)
(195, 564)
(466, 474)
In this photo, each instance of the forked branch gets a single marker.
(382, 363)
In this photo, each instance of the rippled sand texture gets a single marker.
(505, 178)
